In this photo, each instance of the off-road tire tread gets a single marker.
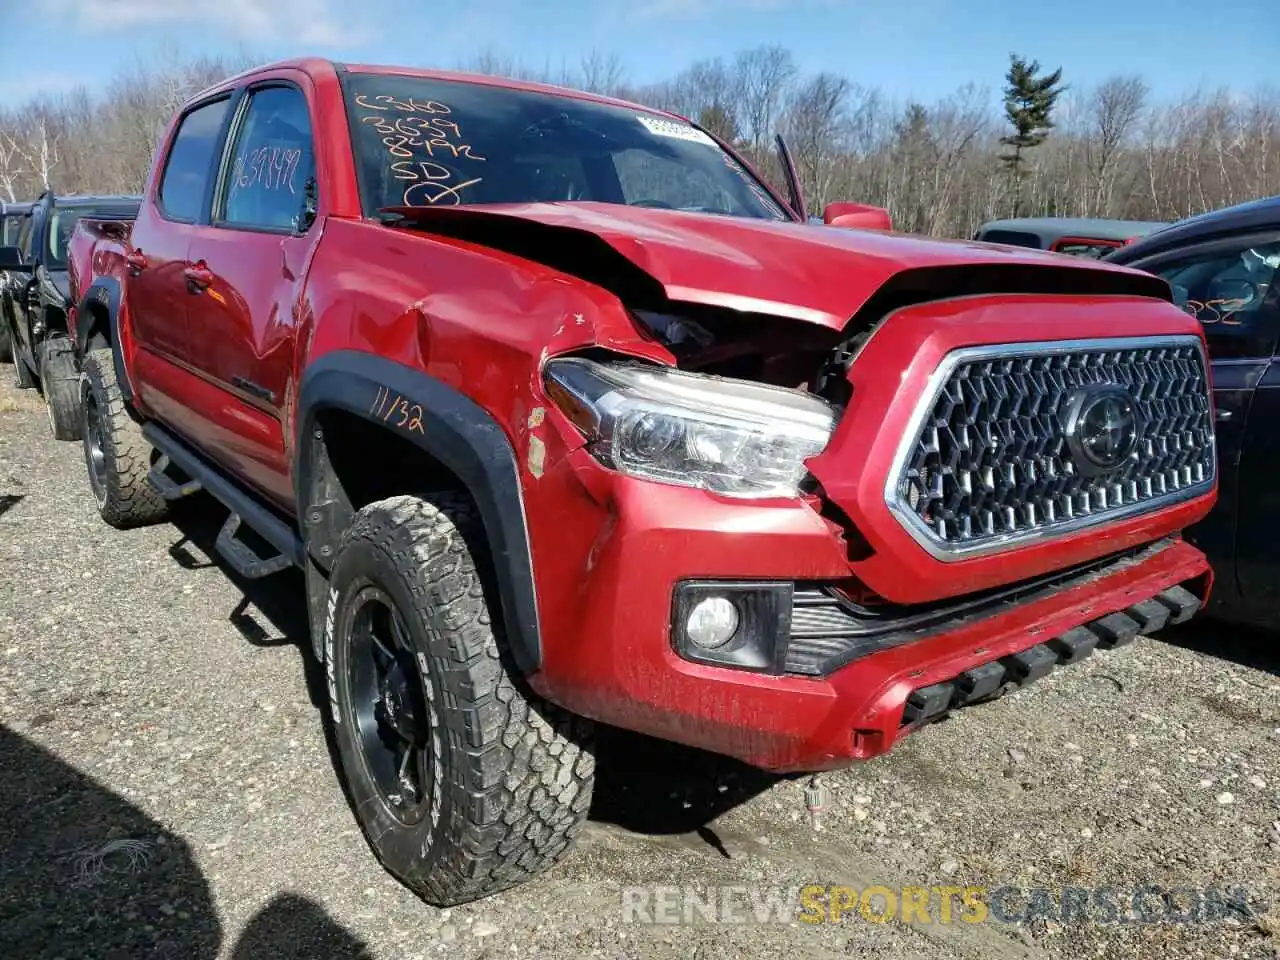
(519, 770)
(132, 501)
(61, 387)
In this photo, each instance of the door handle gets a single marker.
(199, 277)
(1221, 416)
(136, 262)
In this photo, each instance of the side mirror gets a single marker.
(858, 216)
(11, 259)
(310, 207)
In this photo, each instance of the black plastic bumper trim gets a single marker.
(997, 677)
(829, 631)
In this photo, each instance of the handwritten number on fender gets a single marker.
(394, 409)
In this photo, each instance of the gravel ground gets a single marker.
(168, 789)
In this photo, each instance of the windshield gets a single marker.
(420, 142)
(63, 223)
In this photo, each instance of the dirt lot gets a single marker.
(168, 790)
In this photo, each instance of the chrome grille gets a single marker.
(993, 455)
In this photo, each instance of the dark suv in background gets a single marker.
(11, 217)
(1224, 268)
(38, 299)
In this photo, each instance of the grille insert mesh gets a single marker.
(990, 460)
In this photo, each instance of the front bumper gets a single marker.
(609, 654)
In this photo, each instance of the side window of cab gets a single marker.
(24, 236)
(190, 162)
(1233, 291)
(272, 162)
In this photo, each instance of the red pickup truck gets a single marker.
(568, 416)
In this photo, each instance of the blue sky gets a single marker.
(908, 48)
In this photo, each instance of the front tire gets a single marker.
(60, 383)
(116, 453)
(464, 783)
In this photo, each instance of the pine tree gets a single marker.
(1029, 100)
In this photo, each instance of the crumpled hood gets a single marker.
(815, 273)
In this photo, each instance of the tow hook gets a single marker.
(815, 800)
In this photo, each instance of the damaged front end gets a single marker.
(751, 521)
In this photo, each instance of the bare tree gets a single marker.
(39, 151)
(763, 77)
(10, 166)
(816, 124)
(1117, 106)
(603, 74)
(706, 91)
(958, 123)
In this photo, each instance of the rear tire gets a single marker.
(60, 383)
(463, 782)
(117, 455)
(6, 340)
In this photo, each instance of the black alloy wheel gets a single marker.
(94, 448)
(389, 706)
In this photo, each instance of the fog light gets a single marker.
(742, 624)
(712, 622)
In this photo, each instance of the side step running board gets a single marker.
(242, 557)
(169, 488)
(245, 508)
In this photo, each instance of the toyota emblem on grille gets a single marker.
(1102, 427)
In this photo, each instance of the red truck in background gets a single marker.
(568, 416)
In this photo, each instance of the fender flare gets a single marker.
(107, 293)
(455, 431)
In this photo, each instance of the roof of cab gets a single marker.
(97, 200)
(1087, 228)
(1242, 218)
(314, 65)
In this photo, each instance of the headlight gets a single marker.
(736, 438)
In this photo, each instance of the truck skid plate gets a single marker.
(992, 680)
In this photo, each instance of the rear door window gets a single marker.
(1233, 292)
(1016, 238)
(1093, 249)
(190, 162)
